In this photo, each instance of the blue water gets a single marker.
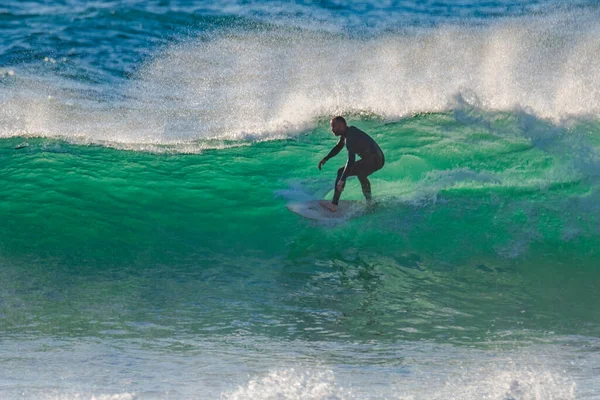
(148, 151)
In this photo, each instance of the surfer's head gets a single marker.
(338, 126)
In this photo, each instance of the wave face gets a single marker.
(148, 151)
(485, 195)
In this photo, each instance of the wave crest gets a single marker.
(272, 83)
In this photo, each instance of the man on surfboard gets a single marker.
(357, 142)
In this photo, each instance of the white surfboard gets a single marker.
(314, 210)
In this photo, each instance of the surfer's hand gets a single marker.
(340, 185)
(321, 163)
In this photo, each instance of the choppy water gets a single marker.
(148, 150)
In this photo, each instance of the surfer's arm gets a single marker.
(334, 152)
(336, 149)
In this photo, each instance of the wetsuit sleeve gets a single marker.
(349, 164)
(336, 149)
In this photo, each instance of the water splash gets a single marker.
(275, 82)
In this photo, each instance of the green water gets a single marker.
(483, 231)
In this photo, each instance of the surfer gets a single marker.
(357, 142)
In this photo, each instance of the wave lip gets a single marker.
(262, 84)
(272, 84)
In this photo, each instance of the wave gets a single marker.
(271, 84)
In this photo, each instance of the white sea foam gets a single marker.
(261, 85)
(501, 380)
(292, 384)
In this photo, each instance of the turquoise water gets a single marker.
(148, 152)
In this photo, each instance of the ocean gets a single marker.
(148, 150)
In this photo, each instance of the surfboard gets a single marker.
(314, 210)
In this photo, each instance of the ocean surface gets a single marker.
(148, 150)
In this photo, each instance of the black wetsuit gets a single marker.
(371, 159)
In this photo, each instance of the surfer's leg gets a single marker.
(366, 187)
(337, 193)
(363, 169)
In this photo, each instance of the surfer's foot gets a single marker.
(329, 205)
(371, 205)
